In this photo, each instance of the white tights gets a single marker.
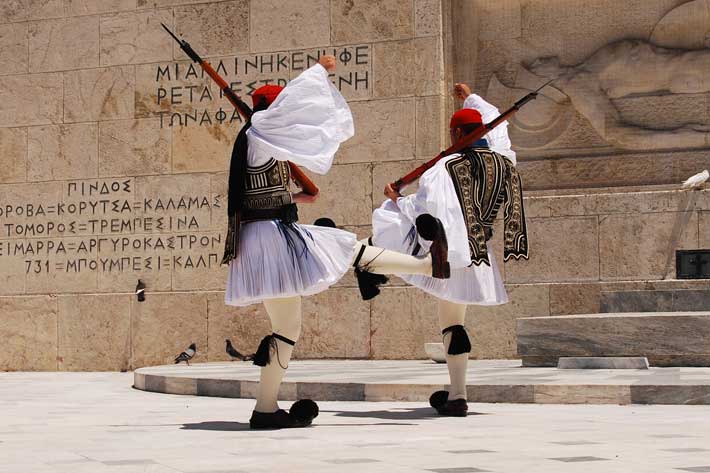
(285, 315)
(450, 314)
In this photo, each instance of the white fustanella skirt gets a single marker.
(478, 285)
(277, 260)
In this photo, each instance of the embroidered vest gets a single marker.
(484, 181)
(268, 194)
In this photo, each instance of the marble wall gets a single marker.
(630, 103)
(114, 152)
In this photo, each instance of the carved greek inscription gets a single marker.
(104, 226)
(186, 96)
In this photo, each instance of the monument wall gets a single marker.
(114, 151)
(630, 104)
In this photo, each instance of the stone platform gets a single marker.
(490, 381)
(665, 338)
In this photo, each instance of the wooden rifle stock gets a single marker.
(303, 181)
(465, 142)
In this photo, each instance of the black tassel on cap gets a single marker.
(460, 342)
(262, 357)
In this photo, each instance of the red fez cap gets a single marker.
(269, 92)
(465, 116)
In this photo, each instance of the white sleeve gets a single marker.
(498, 138)
(306, 123)
(437, 196)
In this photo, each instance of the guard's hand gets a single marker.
(391, 193)
(461, 91)
(303, 198)
(328, 62)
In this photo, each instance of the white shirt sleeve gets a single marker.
(498, 138)
(305, 125)
(437, 196)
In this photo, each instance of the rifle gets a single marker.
(303, 181)
(466, 141)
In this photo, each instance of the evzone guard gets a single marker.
(465, 190)
(273, 259)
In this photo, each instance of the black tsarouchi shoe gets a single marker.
(301, 414)
(455, 408)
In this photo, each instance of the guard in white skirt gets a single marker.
(273, 259)
(464, 191)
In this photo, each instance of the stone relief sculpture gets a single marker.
(675, 60)
(633, 67)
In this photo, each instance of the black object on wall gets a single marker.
(692, 264)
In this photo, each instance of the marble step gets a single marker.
(665, 338)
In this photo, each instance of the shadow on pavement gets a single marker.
(217, 425)
(396, 414)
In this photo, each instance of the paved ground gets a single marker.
(415, 380)
(94, 423)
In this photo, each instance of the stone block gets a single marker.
(570, 299)
(13, 149)
(94, 333)
(561, 249)
(427, 17)
(387, 172)
(99, 94)
(29, 333)
(34, 99)
(14, 55)
(14, 268)
(149, 4)
(219, 188)
(68, 43)
(182, 200)
(179, 385)
(219, 388)
(18, 197)
(117, 274)
(308, 24)
(385, 132)
(336, 324)
(402, 320)
(500, 393)
(62, 152)
(492, 329)
(634, 334)
(244, 326)
(136, 37)
(704, 229)
(214, 28)
(351, 180)
(331, 392)
(23, 10)
(94, 7)
(371, 20)
(691, 300)
(430, 136)
(409, 67)
(602, 363)
(197, 267)
(133, 148)
(165, 325)
(635, 301)
(203, 148)
(637, 246)
(582, 394)
(499, 20)
(399, 392)
(58, 272)
(670, 394)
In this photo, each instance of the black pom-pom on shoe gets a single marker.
(438, 399)
(369, 283)
(304, 411)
